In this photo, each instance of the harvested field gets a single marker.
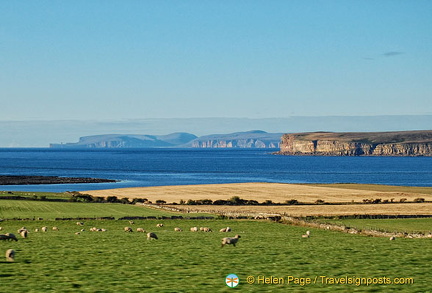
(277, 192)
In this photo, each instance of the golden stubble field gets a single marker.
(279, 193)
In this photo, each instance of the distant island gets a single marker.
(397, 143)
(248, 139)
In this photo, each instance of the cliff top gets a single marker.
(418, 136)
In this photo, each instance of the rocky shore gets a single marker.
(31, 180)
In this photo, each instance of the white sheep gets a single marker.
(230, 240)
(55, 228)
(227, 229)
(177, 229)
(159, 225)
(141, 230)
(151, 235)
(128, 229)
(393, 238)
(22, 229)
(10, 255)
(194, 229)
(307, 235)
(24, 233)
(80, 223)
(36, 230)
(131, 222)
(206, 229)
(44, 229)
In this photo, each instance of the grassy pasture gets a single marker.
(10, 209)
(412, 225)
(116, 261)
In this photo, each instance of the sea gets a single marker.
(170, 166)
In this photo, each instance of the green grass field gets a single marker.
(10, 209)
(116, 261)
(411, 225)
(187, 261)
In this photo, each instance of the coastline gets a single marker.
(36, 180)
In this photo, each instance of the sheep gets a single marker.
(44, 229)
(151, 235)
(77, 233)
(55, 228)
(10, 255)
(227, 229)
(128, 229)
(36, 230)
(8, 236)
(205, 229)
(1, 228)
(80, 223)
(393, 238)
(230, 240)
(159, 225)
(141, 230)
(131, 222)
(194, 229)
(177, 229)
(22, 229)
(24, 233)
(307, 235)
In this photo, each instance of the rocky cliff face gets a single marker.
(412, 143)
(249, 139)
(240, 143)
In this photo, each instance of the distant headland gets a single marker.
(396, 143)
(248, 139)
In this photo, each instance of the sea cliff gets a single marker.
(400, 143)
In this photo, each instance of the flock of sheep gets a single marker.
(10, 253)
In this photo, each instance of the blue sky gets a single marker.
(104, 60)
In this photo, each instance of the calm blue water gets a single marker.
(155, 167)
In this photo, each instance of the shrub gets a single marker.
(268, 202)
(236, 200)
(160, 201)
(191, 202)
(112, 199)
(220, 202)
(291, 201)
